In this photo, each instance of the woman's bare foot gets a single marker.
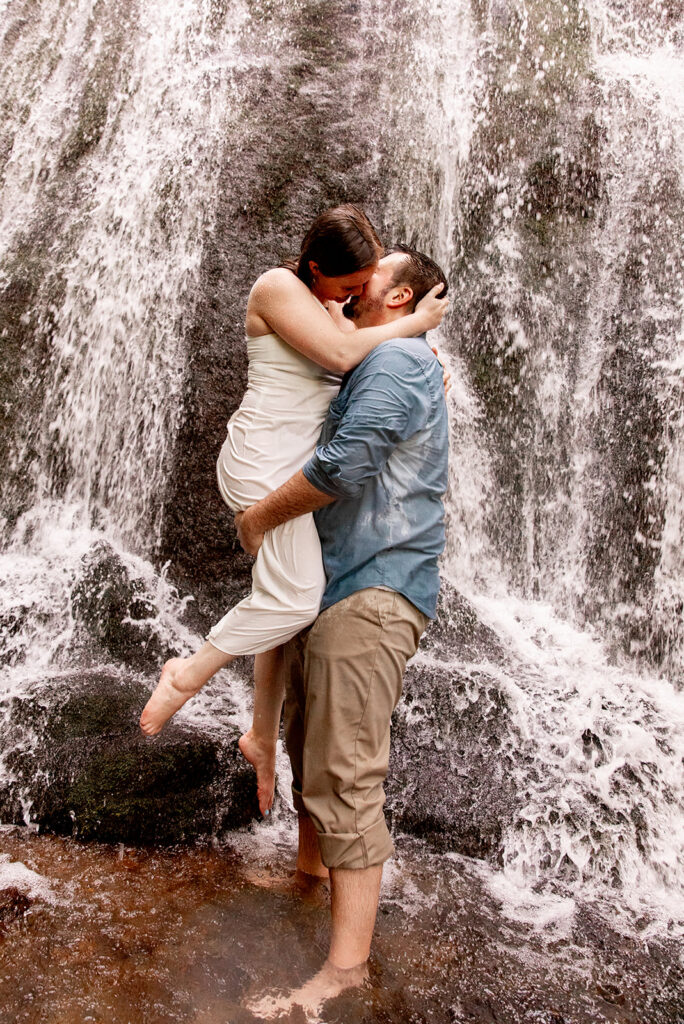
(328, 983)
(261, 755)
(180, 679)
(177, 683)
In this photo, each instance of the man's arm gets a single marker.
(293, 498)
(387, 405)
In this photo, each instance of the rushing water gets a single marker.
(153, 159)
(189, 935)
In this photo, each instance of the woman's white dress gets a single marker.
(270, 437)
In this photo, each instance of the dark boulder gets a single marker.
(113, 612)
(79, 765)
(450, 778)
(458, 632)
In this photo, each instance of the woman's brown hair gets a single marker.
(340, 241)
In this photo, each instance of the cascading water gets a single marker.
(567, 435)
(111, 152)
(121, 148)
(154, 160)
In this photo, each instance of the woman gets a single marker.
(298, 345)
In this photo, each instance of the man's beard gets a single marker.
(365, 307)
(349, 309)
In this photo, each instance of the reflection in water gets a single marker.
(139, 936)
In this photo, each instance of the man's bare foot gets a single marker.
(314, 889)
(261, 755)
(328, 983)
(177, 683)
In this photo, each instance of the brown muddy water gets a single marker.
(125, 935)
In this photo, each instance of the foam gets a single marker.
(14, 874)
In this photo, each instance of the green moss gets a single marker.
(161, 796)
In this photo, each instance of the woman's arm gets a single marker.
(285, 303)
(339, 319)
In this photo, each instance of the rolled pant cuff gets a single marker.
(356, 849)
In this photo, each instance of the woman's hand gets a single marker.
(430, 309)
(446, 376)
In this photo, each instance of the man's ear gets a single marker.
(399, 296)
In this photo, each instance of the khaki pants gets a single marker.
(344, 678)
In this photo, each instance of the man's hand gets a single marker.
(250, 539)
(293, 498)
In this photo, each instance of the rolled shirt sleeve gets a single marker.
(387, 406)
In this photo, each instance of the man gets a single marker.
(376, 482)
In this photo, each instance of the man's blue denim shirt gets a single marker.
(383, 454)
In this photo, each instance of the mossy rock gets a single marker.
(80, 766)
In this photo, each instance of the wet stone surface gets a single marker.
(451, 727)
(76, 763)
(13, 904)
(143, 936)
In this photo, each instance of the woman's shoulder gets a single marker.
(278, 280)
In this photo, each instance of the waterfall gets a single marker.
(155, 159)
(116, 160)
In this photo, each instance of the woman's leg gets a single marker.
(258, 745)
(180, 679)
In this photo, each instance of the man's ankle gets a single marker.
(360, 970)
(312, 869)
(307, 880)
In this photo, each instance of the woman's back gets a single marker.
(276, 428)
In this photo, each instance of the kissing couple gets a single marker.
(335, 465)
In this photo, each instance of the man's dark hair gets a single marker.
(419, 272)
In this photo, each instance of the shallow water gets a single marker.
(137, 936)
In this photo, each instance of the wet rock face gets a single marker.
(306, 139)
(348, 112)
(321, 126)
(76, 763)
(448, 780)
(24, 351)
(11, 621)
(114, 613)
(457, 631)
(559, 175)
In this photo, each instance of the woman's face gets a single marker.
(338, 289)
